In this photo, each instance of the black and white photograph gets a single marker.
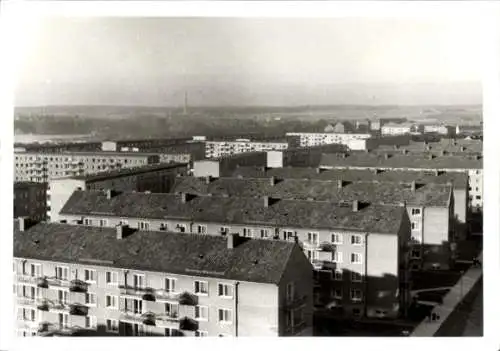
(249, 176)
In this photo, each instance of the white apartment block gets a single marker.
(215, 149)
(314, 139)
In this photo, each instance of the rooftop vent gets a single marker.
(340, 183)
(272, 181)
(208, 179)
(413, 186)
(121, 231)
(462, 148)
(318, 170)
(355, 206)
(109, 194)
(405, 152)
(387, 156)
(23, 223)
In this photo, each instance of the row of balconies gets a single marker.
(160, 295)
(74, 285)
(57, 306)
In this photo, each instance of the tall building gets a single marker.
(314, 139)
(82, 280)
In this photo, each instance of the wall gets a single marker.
(206, 168)
(58, 193)
(275, 159)
(437, 238)
(30, 200)
(258, 309)
(108, 146)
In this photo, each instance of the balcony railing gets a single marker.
(27, 301)
(188, 299)
(327, 247)
(55, 281)
(78, 286)
(188, 324)
(168, 319)
(164, 295)
(77, 309)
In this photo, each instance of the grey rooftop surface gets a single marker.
(237, 210)
(262, 261)
(125, 172)
(398, 160)
(459, 180)
(319, 190)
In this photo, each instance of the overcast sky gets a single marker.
(141, 61)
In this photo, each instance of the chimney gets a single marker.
(462, 148)
(431, 157)
(387, 156)
(405, 151)
(436, 172)
(355, 206)
(413, 186)
(318, 170)
(443, 152)
(208, 179)
(340, 183)
(266, 201)
(396, 147)
(272, 181)
(109, 194)
(183, 198)
(232, 240)
(121, 231)
(375, 171)
(23, 223)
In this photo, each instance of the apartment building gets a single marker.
(141, 144)
(40, 167)
(441, 147)
(396, 128)
(219, 148)
(378, 255)
(30, 200)
(472, 166)
(156, 178)
(314, 139)
(111, 281)
(301, 156)
(436, 128)
(430, 207)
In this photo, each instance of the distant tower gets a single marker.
(185, 103)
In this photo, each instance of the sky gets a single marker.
(266, 61)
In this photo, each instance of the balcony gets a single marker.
(188, 324)
(311, 244)
(54, 281)
(77, 309)
(43, 305)
(318, 264)
(188, 299)
(149, 318)
(149, 295)
(24, 278)
(325, 256)
(78, 286)
(168, 320)
(327, 247)
(166, 296)
(27, 301)
(134, 291)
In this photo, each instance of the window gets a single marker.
(112, 325)
(336, 238)
(478, 197)
(337, 293)
(356, 258)
(90, 299)
(170, 284)
(62, 297)
(90, 275)
(247, 232)
(337, 257)
(111, 301)
(289, 235)
(415, 253)
(289, 291)
(415, 226)
(356, 295)
(356, 239)
(90, 322)
(200, 287)
(143, 225)
(201, 333)
(415, 211)
(163, 226)
(225, 290)
(313, 238)
(201, 313)
(29, 314)
(138, 281)
(133, 305)
(356, 277)
(181, 228)
(30, 292)
(338, 275)
(202, 229)
(103, 222)
(111, 277)
(225, 315)
(87, 221)
(171, 309)
(224, 230)
(264, 233)
(312, 255)
(62, 273)
(35, 270)
(356, 312)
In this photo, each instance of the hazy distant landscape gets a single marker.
(97, 122)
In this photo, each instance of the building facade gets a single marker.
(212, 290)
(396, 129)
(30, 200)
(314, 139)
